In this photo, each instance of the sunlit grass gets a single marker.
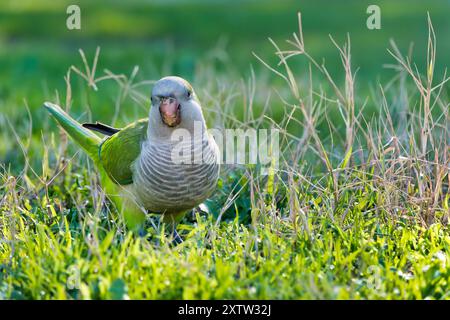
(359, 208)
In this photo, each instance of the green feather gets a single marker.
(119, 151)
(82, 136)
(117, 154)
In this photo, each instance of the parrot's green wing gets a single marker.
(118, 152)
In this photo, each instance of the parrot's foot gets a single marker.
(176, 238)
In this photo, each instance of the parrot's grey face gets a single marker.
(175, 101)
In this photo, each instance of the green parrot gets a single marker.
(165, 164)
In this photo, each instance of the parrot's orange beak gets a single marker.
(169, 109)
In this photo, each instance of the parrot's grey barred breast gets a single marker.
(166, 186)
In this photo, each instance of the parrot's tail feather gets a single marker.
(102, 128)
(82, 136)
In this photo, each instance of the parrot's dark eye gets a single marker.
(189, 94)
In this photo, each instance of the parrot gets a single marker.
(144, 167)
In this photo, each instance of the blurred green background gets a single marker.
(37, 48)
(179, 37)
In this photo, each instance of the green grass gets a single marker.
(368, 259)
(358, 210)
(53, 248)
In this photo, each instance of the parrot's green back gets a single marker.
(115, 154)
(118, 152)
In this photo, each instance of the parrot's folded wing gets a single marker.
(119, 151)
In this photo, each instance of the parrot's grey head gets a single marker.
(175, 103)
